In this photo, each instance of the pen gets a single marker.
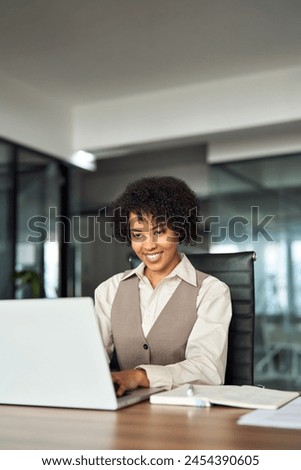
(190, 391)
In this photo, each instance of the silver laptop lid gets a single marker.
(51, 354)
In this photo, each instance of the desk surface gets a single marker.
(141, 426)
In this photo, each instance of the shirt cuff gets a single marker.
(158, 376)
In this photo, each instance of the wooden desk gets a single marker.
(141, 426)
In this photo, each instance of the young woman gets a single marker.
(166, 322)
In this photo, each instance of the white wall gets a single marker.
(215, 112)
(278, 139)
(34, 120)
(207, 110)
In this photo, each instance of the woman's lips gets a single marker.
(153, 256)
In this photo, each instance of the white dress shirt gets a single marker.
(206, 350)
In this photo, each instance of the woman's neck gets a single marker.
(155, 277)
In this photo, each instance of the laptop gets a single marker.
(51, 354)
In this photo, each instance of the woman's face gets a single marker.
(155, 244)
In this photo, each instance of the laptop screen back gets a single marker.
(51, 354)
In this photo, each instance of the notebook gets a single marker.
(241, 396)
(51, 354)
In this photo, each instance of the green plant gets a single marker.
(32, 279)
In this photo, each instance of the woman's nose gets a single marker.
(150, 241)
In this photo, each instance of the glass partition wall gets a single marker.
(257, 205)
(7, 216)
(37, 248)
(35, 241)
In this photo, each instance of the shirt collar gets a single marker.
(184, 270)
(138, 271)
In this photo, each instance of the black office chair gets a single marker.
(237, 271)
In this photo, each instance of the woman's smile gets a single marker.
(153, 257)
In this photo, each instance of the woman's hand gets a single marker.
(130, 380)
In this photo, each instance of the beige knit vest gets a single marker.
(167, 339)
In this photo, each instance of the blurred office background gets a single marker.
(208, 91)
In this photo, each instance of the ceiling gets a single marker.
(80, 51)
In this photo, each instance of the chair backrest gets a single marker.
(237, 271)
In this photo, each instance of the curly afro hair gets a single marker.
(166, 199)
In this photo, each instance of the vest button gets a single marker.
(145, 346)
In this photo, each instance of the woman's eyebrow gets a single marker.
(159, 225)
(138, 229)
(145, 229)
